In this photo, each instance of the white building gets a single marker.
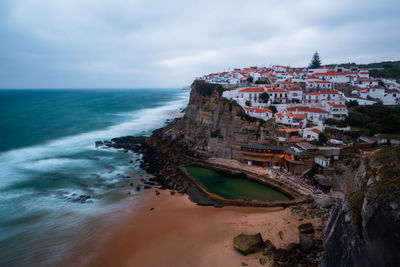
(364, 82)
(337, 111)
(261, 113)
(323, 95)
(335, 77)
(278, 95)
(251, 94)
(322, 161)
(295, 94)
(311, 134)
(317, 84)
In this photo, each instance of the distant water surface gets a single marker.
(49, 165)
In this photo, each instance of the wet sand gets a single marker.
(180, 233)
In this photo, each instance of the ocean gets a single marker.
(55, 185)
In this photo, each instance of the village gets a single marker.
(299, 101)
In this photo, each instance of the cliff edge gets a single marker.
(214, 126)
(365, 229)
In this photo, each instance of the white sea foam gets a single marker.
(52, 154)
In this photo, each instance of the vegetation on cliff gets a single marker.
(385, 69)
(206, 89)
(371, 120)
(387, 181)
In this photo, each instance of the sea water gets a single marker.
(49, 164)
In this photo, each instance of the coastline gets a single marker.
(177, 232)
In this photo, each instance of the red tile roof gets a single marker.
(322, 82)
(329, 92)
(298, 108)
(329, 74)
(307, 109)
(317, 110)
(258, 110)
(325, 92)
(252, 90)
(316, 131)
(336, 106)
(277, 91)
(299, 116)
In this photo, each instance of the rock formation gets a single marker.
(365, 229)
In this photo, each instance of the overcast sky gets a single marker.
(159, 43)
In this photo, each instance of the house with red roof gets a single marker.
(291, 119)
(261, 113)
(311, 134)
(285, 84)
(336, 111)
(278, 95)
(318, 70)
(315, 97)
(336, 77)
(318, 85)
(314, 115)
(295, 94)
(251, 94)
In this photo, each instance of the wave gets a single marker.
(53, 154)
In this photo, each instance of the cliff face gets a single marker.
(365, 229)
(214, 126)
(362, 231)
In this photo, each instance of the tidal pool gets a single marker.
(234, 186)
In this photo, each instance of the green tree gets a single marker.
(264, 97)
(351, 103)
(248, 103)
(273, 109)
(322, 139)
(250, 79)
(315, 62)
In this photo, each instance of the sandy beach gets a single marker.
(170, 230)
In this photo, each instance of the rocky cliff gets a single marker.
(365, 229)
(214, 126)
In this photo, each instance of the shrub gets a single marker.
(216, 133)
(206, 89)
(322, 139)
(273, 109)
(351, 103)
(264, 97)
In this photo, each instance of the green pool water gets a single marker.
(230, 186)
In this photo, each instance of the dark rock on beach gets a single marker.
(248, 244)
(306, 228)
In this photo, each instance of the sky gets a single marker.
(165, 44)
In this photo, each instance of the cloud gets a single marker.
(137, 43)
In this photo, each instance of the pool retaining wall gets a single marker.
(298, 198)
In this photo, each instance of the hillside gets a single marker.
(385, 69)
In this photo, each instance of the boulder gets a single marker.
(292, 246)
(99, 143)
(280, 255)
(263, 261)
(248, 244)
(306, 243)
(306, 228)
(269, 248)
